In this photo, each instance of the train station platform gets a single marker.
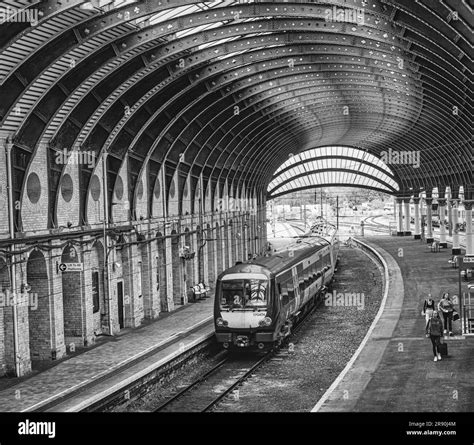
(393, 369)
(79, 381)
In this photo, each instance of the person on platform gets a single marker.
(428, 308)
(434, 330)
(446, 307)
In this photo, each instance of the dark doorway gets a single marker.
(120, 303)
(95, 292)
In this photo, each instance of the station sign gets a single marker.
(71, 267)
(466, 262)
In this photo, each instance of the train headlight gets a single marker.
(267, 321)
(221, 322)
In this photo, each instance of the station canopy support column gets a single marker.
(469, 235)
(399, 205)
(406, 201)
(442, 228)
(429, 220)
(416, 201)
(456, 250)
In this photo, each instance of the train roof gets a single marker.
(279, 260)
(282, 258)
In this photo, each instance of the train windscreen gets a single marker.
(245, 293)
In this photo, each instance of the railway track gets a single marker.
(215, 385)
(224, 378)
(370, 223)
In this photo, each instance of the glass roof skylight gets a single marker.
(333, 165)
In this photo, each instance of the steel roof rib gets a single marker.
(385, 112)
(106, 104)
(28, 43)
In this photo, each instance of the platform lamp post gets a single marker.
(449, 203)
(422, 210)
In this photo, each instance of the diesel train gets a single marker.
(258, 302)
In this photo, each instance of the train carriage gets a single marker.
(257, 302)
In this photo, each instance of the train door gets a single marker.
(322, 259)
(296, 286)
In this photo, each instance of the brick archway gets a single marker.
(39, 317)
(177, 269)
(161, 273)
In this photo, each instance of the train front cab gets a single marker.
(245, 310)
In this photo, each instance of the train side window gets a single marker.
(291, 290)
(283, 293)
(306, 275)
(300, 272)
(302, 284)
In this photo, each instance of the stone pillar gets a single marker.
(23, 346)
(169, 269)
(416, 202)
(16, 325)
(442, 227)
(407, 232)
(204, 254)
(429, 220)
(245, 235)
(146, 284)
(450, 215)
(153, 272)
(456, 250)
(138, 279)
(469, 235)
(196, 242)
(400, 217)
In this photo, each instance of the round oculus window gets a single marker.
(95, 188)
(67, 187)
(33, 188)
(119, 188)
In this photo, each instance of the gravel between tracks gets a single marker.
(295, 381)
(297, 376)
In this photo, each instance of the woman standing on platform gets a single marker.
(446, 307)
(434, 330)
(428, 308)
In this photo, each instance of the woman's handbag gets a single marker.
(443, 349)
(455, 316)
